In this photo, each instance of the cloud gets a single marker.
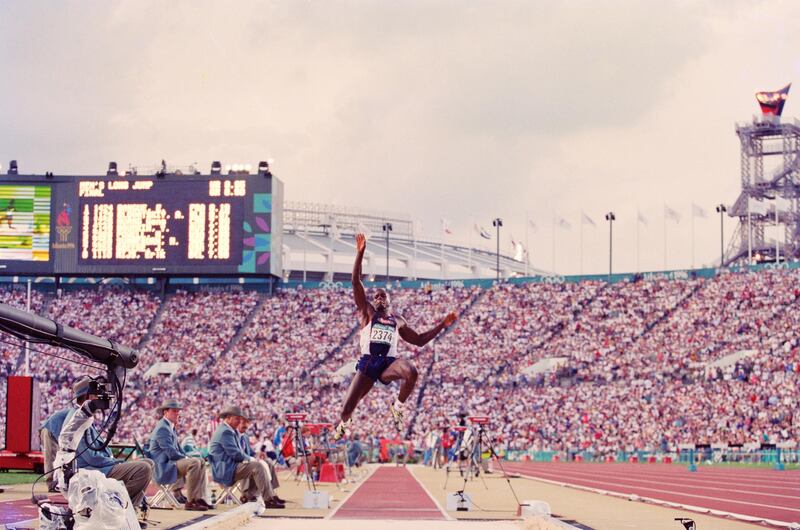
(458, 109)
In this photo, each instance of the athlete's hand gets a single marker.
(449, 320)
(361, 243)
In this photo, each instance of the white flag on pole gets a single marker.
(641, 218)
(519, 249)
(446, 227)
(532, 225)
(585, 219)
(563, 223)
(519, 252)
(697, 211)
(671, 214)
(482, 232)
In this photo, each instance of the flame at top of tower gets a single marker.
(772, 102)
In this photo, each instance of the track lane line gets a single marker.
(702, 475)
(670, 504)
(679, 469)
(622, 478)
(669, 492)
(439, 506)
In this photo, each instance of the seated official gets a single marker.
(48, 434)
(172, 465)
(247, 448)
(230, 464)
(134, 475)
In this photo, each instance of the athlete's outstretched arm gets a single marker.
(421, 339)
(358, 288)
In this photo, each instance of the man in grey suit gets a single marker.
(172, 465)
(230, 464)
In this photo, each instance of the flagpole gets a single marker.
(638, 222)
(581, 255)
(554, 243)
(665, 237)
(305, 229)
(693, 236)
(469, 252)
(527, 247)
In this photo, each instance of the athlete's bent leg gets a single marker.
(401, 369)
(359, 387)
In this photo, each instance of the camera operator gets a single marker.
(48, 434)
(134, 475)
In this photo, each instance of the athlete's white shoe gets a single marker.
(397, 416)
(340, 429)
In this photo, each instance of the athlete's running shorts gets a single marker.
(373, 365)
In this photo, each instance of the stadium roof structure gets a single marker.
(319, 245)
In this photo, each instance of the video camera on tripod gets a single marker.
(105, 391)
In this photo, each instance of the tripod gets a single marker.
(460, 430)
(474, 448)
(482, 440)
(300, 449)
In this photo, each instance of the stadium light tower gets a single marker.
(721, 209)
(610, 217)
(387, 227)
(498, 223)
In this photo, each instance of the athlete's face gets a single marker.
(381, 300)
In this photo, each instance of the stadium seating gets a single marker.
(634, 371)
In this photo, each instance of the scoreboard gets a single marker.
(140, 225)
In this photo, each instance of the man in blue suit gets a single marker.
(229, 463)
(172, 465)
(272, 475)
(134, 475)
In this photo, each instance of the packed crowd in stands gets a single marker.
(196, 327)
(270, 350)
(634, 371)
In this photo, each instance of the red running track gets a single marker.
(390, 493)
(761, 493)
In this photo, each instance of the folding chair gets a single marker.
(164, 499)
(229, 495)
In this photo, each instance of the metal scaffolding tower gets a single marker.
(770, 196)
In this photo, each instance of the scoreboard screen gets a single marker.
(139, 225)
(25, 226)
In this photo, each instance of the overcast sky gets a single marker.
(464, 110)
